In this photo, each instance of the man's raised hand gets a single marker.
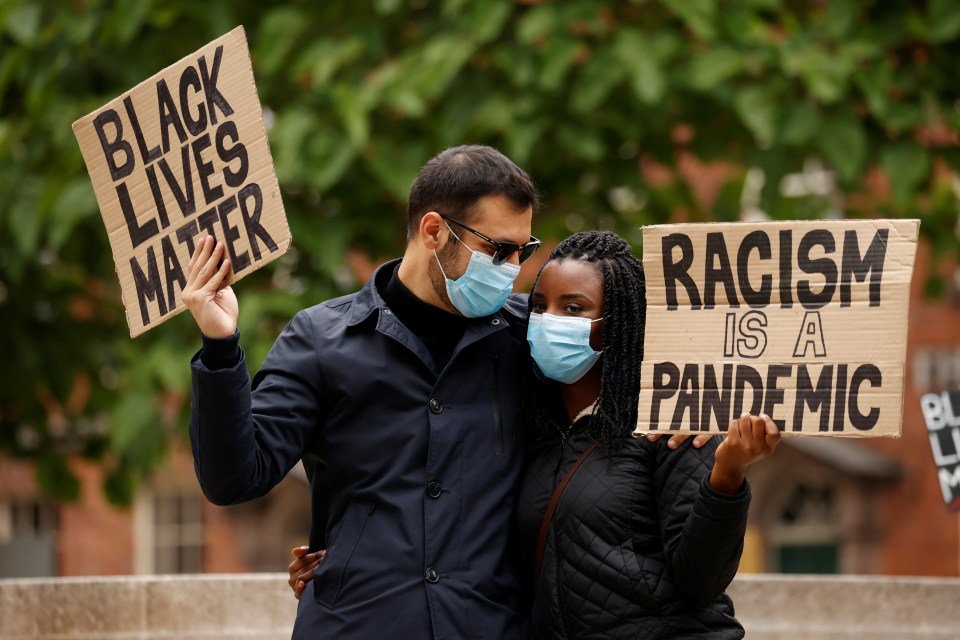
(213, 306)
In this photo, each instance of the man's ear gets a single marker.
(431, 230)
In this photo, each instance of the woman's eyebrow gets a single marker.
(573, 296)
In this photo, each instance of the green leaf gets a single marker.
(276, 38)
(901, 116)
(386, 7)
(699, 15)
(539, 22)
(55, 477)
(136, 432)
(594, 83)
(844, 144)
(640, 58)
(353, 114)
(757, 111)
(556, 62)
(907, 164)
(943, 21)
(26, 224)
(874, 82)
(713, 67)
(120, 486)
(583, 144)
(396, 165)
(75, 203)
(800, 124)
(23, 22)
(320, 61)
(522, 139)
(485, 20)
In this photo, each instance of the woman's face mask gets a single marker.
(561, 346)
(567, 302)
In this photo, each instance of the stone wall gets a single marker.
(261, 607)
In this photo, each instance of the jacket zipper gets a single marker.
(497, 420)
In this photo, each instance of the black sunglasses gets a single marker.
(502, 250)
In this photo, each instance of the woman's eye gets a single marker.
(538, 307)
(572, 308)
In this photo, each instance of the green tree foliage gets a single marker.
(607, 103)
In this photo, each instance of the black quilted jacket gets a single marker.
(640, 545)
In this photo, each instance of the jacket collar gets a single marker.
(368, 299)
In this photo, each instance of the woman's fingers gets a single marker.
(771, 432)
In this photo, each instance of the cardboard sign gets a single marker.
(181, 156)
(941, 412)
(803, 321)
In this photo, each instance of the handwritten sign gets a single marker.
(941, 412)
(180, 156)
(803, 321)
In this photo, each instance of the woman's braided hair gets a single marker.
(624, 314)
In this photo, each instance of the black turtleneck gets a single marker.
(439, 330)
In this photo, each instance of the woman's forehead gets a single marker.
(570, 275)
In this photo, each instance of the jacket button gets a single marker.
(433, 489)
(432, 575)
(435, 405)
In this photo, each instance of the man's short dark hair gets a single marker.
(456, 179)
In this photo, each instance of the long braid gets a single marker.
(624, 313)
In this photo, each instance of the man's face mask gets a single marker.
(560, 346)
(483, 287)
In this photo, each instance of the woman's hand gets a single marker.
(749, 439)
(302, 568)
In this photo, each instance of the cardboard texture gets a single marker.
(941, 412)
(804, 321)
(182, 155)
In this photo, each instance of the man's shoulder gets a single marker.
(331, 310)
(516, 306)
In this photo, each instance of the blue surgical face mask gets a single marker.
(483, 287)
(560, 345)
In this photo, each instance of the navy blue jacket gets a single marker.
(413, 476)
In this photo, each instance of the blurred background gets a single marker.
(625, 113)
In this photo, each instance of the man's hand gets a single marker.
(678, 439)
(214, 308)
(302, 568)
(749, 439)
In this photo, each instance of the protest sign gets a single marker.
(803, 321)
(181, 156)
(941, 412)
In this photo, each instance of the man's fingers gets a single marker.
(209, 266)
(193, 258)
(204, 248)
(218, 278)
(677, 440)
(701, 440)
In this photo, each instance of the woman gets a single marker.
(643, 541)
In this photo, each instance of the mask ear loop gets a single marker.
(435, 251)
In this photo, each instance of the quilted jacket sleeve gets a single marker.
(244, 442)
(702, 530)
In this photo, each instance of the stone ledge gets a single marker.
(260, 607)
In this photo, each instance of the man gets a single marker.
(403, 399)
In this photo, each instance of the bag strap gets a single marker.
(548, 514)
